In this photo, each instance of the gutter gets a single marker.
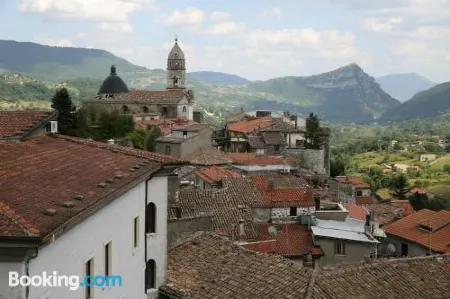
(27, 269)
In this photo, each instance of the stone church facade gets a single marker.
(174, 102)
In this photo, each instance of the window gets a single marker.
(184, 134)
(89, 271)
(150, 214)
(339, 248)
(108, 259)
(167, 149)
(359, 193)
(150, 275)
(145, 109)
(404, 249)
(299, 143)
(136, 232)
(125, 109)
(184, 108)
(277, 148)
(293, 211)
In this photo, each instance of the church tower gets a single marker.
(176, 68)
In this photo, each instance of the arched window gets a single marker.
(150, 275)
(150, 218)
(164, 111)
(184, 108)
(125, 109)
(175, 81)
(145, 109)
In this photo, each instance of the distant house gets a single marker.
(352, 189)
(420, 233)
(25, 124)
(209, 178)
(184, 141)
(427, 157)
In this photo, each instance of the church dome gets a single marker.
(176, 52)
(113, 84)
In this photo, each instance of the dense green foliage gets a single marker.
(67, 117)
(422, 201)
(431, 102)
(144, 138)
(313, 139)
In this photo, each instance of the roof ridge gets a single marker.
(18, 219)
(155, 157)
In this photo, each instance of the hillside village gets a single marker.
(184, 210)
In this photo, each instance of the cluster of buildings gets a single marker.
(242, 212)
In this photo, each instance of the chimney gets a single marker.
(241, 230)
(111, 141)
(270, 185)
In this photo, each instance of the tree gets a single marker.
(154, 132)
(313, 137)
(67, 117)
(137, 138)
(399, 186)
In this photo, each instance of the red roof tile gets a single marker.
(208, 155)
(215, 174)
(405, 205)
(250, 126)
(240, 157)
(283, 197)
(262, 246)
(48, 171)
(365, 200)
(409, 228)
(143, 97)
(355, 181)
(18, 123)
(419, 191)
(356, 211)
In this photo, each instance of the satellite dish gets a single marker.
(272, 231)
(391, 248)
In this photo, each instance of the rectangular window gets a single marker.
(359, 193)
(108, 259)
(136, 232)
(299, 143)
(404, 249)
(277, 148)
(339, 248)
(89, 271)
(167, 149)
(293, 211)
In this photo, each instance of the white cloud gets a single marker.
(381, 24)
(64, 42)
(431, 32)
(274, 12)
(225, 28)
(116, 27)
(97, 10)
(190, 16)
(220, 17)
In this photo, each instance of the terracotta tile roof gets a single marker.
(215, 174)
(355, 181)
(256, 142)
(212, 267)
(424, 277)
(250, 126)
(262, 246)
(282, 197)
(357, 211)
(273, 138)
(193, 127)
(365, 200)
(404, 204)
(409, 228)
(283, 180)
(291, 240)
(14, 225)
(47, 172)
(166, 125)
(240, 157)
(193, 272)
(385, 213)
(143, 97)
(18, 124)
(208, 155)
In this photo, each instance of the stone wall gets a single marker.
(312, 159)
(180, 230)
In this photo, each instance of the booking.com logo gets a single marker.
(73, 282)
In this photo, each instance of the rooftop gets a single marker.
(113, 83)
(49, 180)
(357, 211)
(355, 181)
(166, 125)
(18, 124)
(193, 127)
(172, 96)
(250, 126)
(419, 226)
(350, 229)
(365, 200)
(193, 272)
(208, 155)
(215, 174)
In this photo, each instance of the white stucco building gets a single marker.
(101, 210)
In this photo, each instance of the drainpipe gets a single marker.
(27, 269)
(145, 235)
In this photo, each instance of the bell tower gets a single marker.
(176, 68)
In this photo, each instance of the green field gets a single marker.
(20, 105)
(365, 160)
(439, 163)
(441, 190)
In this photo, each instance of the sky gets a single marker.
(255, 39)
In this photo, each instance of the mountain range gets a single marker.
(346, 94)
(404, 86)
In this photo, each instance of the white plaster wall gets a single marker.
(293, 138)
(179, 134)
(180, 112)
(5, 291)
(285, 212)
(157, 242)
(115, 223)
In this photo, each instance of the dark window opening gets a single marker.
(145, 109)
(359, 193)
(404, 249)
(184, 134)
(136, 232)
(125, 109)
(89, 267)
(277, 148)
(108, 259)
(150, 275)
(150, 218)
(293, 211)
(168, 149)
(184, 108)
(164, 111)
(339, 248)
(299, 143)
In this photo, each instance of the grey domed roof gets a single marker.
(113, 83)
(176, 52)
